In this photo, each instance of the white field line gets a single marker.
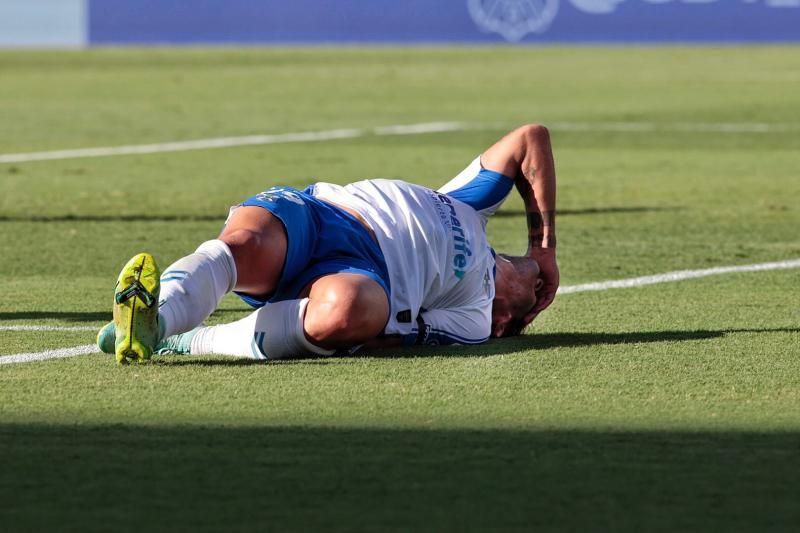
(227, 142)
(678, 275)
(48, 328)
(407, 129)
(48, 354)
(685, 127)
(666, 277)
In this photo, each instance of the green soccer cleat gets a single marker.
(177, 344)
(106, 338)
(136, 328)
(180, 344)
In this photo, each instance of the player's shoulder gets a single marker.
(394, 188)
(389, 183)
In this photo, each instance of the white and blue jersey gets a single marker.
(440, 265)
(320, 239)
(432, 257)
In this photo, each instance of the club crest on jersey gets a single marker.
(513, 19)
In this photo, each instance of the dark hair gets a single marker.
(514, 327)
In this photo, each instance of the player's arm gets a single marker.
(442, 327)
(460, 325)
(526, 155)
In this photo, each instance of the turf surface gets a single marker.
(666, 407)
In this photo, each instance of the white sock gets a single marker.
(273, 332)
(192, 287)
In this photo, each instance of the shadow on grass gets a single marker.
(114, 218)
(91, 316)
(496, 347)
(185, 360)
(512, 213)
(133, 478)
(541, 341)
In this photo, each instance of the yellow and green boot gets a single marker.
(136, 327)
(180, 344)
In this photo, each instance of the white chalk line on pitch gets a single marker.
(402, 129)
(25, 327)
(678, 275)
(228, 142)
(48, 354)
(678, 127)
(666, 277)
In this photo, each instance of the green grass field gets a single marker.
(666, 407)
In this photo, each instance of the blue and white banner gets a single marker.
(102, 22)
(40, 23)
(442, 21)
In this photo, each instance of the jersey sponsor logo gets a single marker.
(461, 245)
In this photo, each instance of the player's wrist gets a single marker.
(549, 243)
(542, 240)
(541, 230)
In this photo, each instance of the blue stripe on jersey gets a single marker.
(486, 189)
(452, 338)
(165, 279)
(441, 338)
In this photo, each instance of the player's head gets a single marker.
(516, 282)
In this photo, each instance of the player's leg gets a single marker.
(258, 243)
(341, 311)
(345, 310)
(247, 256)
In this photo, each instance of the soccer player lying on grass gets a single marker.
(375, 263)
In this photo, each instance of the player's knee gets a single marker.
(333, 325)
(258, 244)
(245, 246)
(337, 321)
(242, 242)
(330, 327)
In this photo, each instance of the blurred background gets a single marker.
(78, 23)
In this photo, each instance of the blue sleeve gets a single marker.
(485, 192)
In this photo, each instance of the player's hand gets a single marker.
(549, 277)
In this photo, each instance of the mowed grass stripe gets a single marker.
(403, 129)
